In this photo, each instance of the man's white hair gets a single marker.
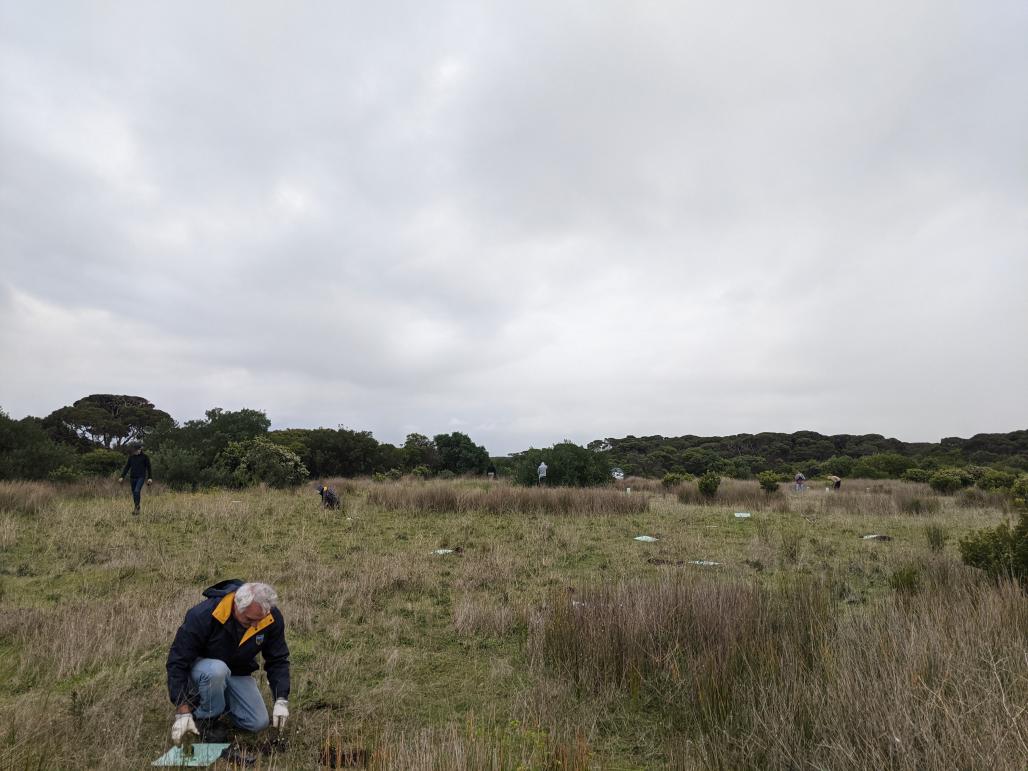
(250, 593)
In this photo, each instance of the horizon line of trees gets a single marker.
(867, 456)
(92, 437)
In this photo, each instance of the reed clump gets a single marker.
(748, 677)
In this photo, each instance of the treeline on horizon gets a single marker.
(236, 448)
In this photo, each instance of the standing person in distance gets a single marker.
(138, 468)
(541, 471)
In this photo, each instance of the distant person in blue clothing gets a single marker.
(138, 468)
(329, 498)
(212, 660)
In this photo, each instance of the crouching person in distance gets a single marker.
(329, 499)
(212, 659)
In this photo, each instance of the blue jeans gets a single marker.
(137, 489)
(219, 688)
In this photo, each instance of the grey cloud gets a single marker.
(538, 221)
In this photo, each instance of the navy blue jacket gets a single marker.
(210, 631)
(139, 465)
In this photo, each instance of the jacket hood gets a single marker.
(222, 588)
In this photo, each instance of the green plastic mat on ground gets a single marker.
(203, 755)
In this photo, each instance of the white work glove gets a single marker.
(183, 724)
(279, 713)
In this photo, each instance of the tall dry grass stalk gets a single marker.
(744, 677)
(441, 497)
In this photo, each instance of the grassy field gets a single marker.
(549, 638)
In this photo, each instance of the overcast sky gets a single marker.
(525, 221)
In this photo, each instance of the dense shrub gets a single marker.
(884, 465)
(946, 481)
(1019, 490)
(1001, 552)
(27, 452)
(840, 465)
(178, 468)
(768, 481)
(458, 454)
(101, 463)
(64, 474)
(708, 484)
(567, 465)
(260, 460)
(995, 479)
(674, 478)
(917, 475)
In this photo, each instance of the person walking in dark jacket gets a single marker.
(214, 655)
(138, 468)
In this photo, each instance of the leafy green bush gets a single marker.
(101, 463)
(917, 475)
(568, 465)
(27, 452)
(840, 465)
(394, 474)
(1019, 490)
(64, 474)
(946, 481)
(883, 465)
(458, 454)
(708, 483)
(260, 460)
(177, 467)
(422, 472)
(995, 479)
(674, 478)
(768, 481)
(1001, 552)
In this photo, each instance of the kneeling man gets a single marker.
(212, 659)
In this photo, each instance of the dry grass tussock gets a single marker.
(756, 678)
(26, 497)
(477, 615)
(439, 497)
(857, 496)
